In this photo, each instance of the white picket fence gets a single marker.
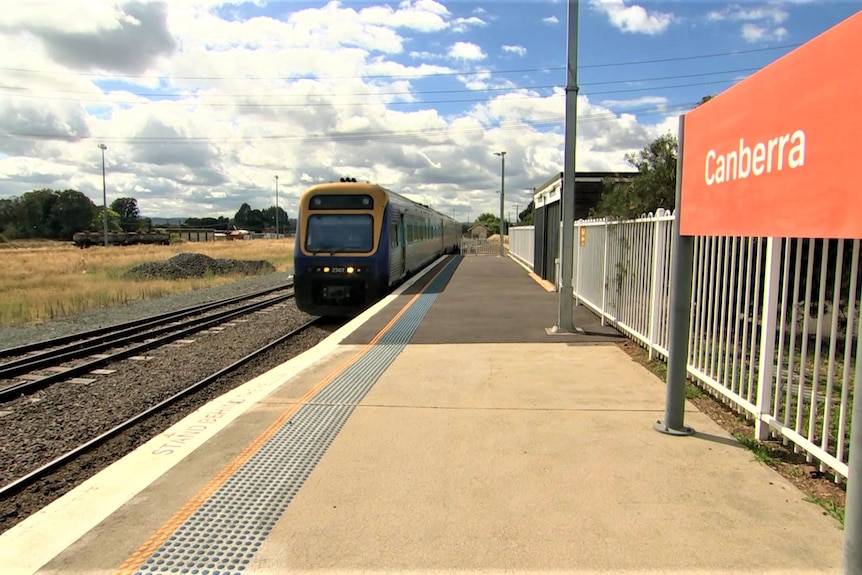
(770, 335)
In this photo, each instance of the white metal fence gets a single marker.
(521, 243)
(480, 247)
(772, 325)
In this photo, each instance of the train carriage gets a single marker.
(356, 241)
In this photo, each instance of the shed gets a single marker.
(478, 231)
(548, 215)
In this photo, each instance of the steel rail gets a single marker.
(173, 332)
(112, 330)
(47, 468)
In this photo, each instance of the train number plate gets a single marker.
(338, 270)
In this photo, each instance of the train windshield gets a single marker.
(340, 233)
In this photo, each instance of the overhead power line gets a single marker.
(416, 75)
(366, 135)
(17, 89)
(204, 103)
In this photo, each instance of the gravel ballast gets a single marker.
(37, 428)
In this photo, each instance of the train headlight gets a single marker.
(326, 270)
(350, 269)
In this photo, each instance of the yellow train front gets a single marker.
(356, 241)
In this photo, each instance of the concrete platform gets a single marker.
(491, 299)
(461, 458)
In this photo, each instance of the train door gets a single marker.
(402, 244)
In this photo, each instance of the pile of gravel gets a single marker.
(183, 266)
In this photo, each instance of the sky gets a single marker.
(204, 105)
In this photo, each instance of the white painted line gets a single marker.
(29, 545)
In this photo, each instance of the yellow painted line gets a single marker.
(162, 534)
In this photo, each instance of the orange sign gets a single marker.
(776, 154)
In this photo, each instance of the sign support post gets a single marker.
(853, 503)
(682, 267)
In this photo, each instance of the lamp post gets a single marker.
(103, 147)
(502, 155)
(276, 207)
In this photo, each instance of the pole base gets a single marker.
(662, 428)
(557, 330)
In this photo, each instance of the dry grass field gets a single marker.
(43, 280)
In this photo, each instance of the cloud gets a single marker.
(464, 24)
(130, 42)
(657, 101)
(633, 18)
(466, 51)
(519, 50)
(754, 33)
(419, 15)
(311, 95)
(551, 20)
(775, 13)
(759, 23)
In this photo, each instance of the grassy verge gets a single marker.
(819, 488)
(44, 281)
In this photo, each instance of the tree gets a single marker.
(72, 212)
(8, 217)
(652, 188)
(127, 209)
(113, 220)
(35, 213)
(220, 223)
(490, 221)
(269, 218)
(525, 218)
(241, 218)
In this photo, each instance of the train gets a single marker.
(90, 238)
(356, 241)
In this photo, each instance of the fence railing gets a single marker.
(481, 247)
(772, 326)
(521, 243)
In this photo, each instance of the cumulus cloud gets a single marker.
(128, 39)
(465, 24)
(633, 18)
(759, 23)
(636, 102)
(519, 50)
(201, 115)
(754, 33)
(466, 51)
(551, 20)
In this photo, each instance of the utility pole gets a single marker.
(502, 155)
(276, 206)
(103, 147)
(564, 320)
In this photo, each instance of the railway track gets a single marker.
(41, 364)
(13, 487)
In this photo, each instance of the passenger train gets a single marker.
(356, 241)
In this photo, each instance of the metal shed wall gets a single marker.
(548, 214)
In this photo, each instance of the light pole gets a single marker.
(502, 155)
(276, 207)
(103, 147)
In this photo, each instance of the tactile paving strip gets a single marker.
(225, 532)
